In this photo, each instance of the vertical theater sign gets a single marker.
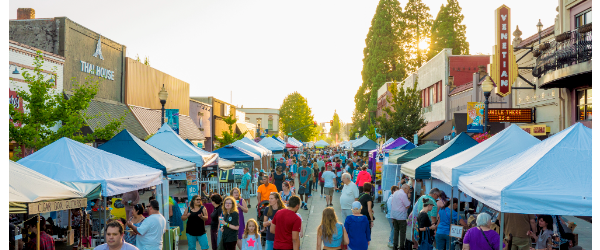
(503, 68)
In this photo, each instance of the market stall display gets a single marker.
(417, 152)
(272, 144)
(168, 141)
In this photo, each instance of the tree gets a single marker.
(228, 137)
(417, 32)
(335, 126)
(383, 59)
(295, 116)
(404, 117)
(448, 31)
(48, 109)
(371, 133)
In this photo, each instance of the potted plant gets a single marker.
(563, 36)
(585, 28)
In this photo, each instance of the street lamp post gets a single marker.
(487, 87)
(539, 26)
(163, 95)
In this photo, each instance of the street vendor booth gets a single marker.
(272, 144)
(263, 154)
(364, 146)
(169, 141)
(71, 161)
(241, 157)
(510, 185)
(295, 142)
(47, 195)
(417, 152)
(321, 144)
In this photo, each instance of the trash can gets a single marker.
(171, 239)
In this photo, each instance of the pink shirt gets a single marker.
(399, 203)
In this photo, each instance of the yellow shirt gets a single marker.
(266, 191)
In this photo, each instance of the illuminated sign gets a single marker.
(511, 115)
(503, 68)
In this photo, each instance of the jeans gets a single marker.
(269, 245)
(338, 181)
(399, 233)
(213, 238)
(442, 241)
(391, 221)
(322, 186)
(200, 239)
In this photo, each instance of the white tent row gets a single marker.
(295, 142)
(321, 143)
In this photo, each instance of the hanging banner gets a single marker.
(172, 119)
(475, 117)
(192, 183)
(504, 68)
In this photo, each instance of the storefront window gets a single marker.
(270, 124)
(584, 104)
(258, 122)
(583, 18)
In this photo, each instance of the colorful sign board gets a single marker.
(51, 206)
(172, 119)
(536, 130)
(192, 183)
(475, 119)
(17, 102)
(510, 115)
(503, 69)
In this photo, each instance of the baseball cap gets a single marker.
(356, 205)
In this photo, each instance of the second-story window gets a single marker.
(584, 104)
(583, 18)
(270, 124)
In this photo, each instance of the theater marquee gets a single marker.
(503, 68)
(511, 115)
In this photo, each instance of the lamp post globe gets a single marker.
(162, 96)
(486, 87)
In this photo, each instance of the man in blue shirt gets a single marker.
(304, 173)
(245, 186)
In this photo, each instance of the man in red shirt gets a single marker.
(286, 226)
(46, 241)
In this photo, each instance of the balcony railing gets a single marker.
(572, 48)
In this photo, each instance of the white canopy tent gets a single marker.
(321, 143)
(26, 185)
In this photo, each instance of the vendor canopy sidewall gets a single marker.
(68, 160)
(552, 177)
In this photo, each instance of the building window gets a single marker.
(583, 18)
(248, 119)
(270, 124)
(584, 104)
(258, 122)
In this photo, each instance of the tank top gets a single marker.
(285, 197)
(336, 238)
(195, 224)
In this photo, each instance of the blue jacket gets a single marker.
(359, 232)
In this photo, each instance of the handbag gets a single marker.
(425, 242)
(486, 239)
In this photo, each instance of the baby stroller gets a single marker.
(260, 218)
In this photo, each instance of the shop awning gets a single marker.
(68, 160)
(424, 131)
(438, 133)
(510, 141)
(128, 146)
(420, 168)
(150, 120)
(101, 109)
(552, 177)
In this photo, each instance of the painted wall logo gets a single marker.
(99, 48)
(503, 68)
(17, 102)
(97, 71)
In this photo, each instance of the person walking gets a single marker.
(434, 193)
(366, 200)
(138, 217)
(242, 209)
(315, 179)
(482, 236)
(287, 193)
(229, 223)
(399, 215)
(329, 178)
(425, 227)
(359, 229)
(245, 186)
(217, 202)
(275, 204)
(320, 162)
(150, 233)
(304, 173)
(114, 237)
(338, 176)
(278, 178)
(442, 235)
(349, 195)
(321, 180)
(196, 215)
(286, 226)
(388, 205)
(331, 233)
(251, 236)
(281, 164)
(362, 178)
(264, 190)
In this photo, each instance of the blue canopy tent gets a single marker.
(272, 144)
(234, 154)
(420, 168)
(261, 153)
(68, 160)
(128, 146)
(168, 141)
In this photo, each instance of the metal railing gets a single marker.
(214, 185)
(577, 48)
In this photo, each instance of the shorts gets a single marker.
(304, 191)
(245, 194)
(329, 191)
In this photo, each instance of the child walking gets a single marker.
(251, 237)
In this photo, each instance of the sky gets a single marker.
(255, 53)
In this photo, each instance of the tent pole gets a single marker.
(451, 210)
(501, 229)
(105, 220)
(38, 233)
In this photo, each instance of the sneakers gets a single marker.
(390, 245)
(321, 196)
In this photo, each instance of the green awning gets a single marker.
(395, 154)
(417, 152)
